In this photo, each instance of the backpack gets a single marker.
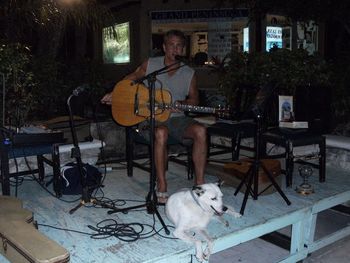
(71, 178)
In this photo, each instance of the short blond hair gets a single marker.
(176, 33)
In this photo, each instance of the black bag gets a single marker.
(71, 178)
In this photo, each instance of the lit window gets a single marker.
(116, 43)
(273, 37)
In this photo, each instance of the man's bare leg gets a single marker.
(198, 134)
(160, 156)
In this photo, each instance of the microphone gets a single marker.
(79, 90)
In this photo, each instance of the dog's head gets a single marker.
(209, 197)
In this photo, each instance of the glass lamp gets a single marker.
(305, 188)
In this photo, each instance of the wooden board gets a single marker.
(233, 178)
(267, 214)
(241, 168)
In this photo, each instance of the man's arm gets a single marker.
(193, 94)
(137, 74)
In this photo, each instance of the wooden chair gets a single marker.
(133, 139)
(241, 126)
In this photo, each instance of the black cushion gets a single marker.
(245, 128)
(298, 137)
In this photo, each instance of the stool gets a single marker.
(289, 139)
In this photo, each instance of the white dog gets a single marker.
(192, 210)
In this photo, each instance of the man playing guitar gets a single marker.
(181, 82)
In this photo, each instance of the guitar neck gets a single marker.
(190, 108)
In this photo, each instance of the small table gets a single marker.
(289, 139)
(30, 148)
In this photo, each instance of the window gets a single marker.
(116, 44)
(246, 39)
(278, 32)
(273, 37)
(307, 36)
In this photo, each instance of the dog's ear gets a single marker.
(220, 182)
(198, 190)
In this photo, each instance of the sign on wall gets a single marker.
(197, 15)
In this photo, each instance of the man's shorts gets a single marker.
(176, 127)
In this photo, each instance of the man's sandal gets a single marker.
(162, 197)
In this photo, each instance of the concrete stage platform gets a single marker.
(267, 214)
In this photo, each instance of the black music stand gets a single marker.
(151, 199)
(250, 180)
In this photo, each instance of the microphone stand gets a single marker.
(75, 153)
(151, 199)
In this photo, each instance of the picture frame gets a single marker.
(285, 108)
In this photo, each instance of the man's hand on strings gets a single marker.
(107, 99)
(177, 105)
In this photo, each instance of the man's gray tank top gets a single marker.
(178, 84)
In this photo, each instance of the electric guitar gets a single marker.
(130, 104)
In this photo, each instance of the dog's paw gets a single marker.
(234, 214)
(231, 211)
(206, 254)
(223, 221)
(199, 257)
(208, 250)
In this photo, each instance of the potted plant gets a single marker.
(289, 71)
(18, 82)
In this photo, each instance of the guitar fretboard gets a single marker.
(189, 108)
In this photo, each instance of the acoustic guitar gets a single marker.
(130, 104)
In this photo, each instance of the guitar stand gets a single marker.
(151, 199)
(250, 180)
